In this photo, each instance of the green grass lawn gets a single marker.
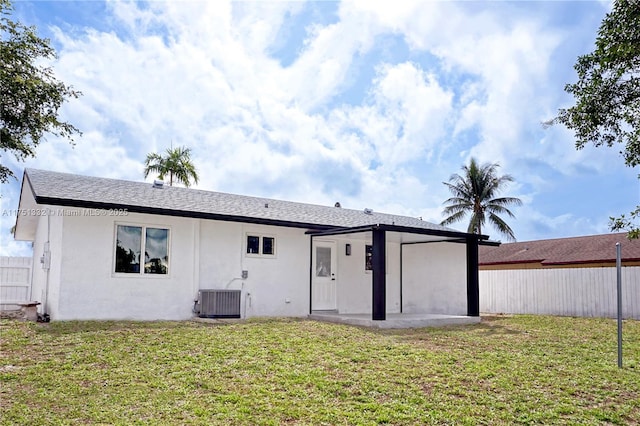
(506, 370)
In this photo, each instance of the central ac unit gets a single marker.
(219, 303)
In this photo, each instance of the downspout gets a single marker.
(310, 274)
(31, 267)
(401, 246)
(244, 275)
(195, 286)
(47, 263)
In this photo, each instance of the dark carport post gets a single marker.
(379, 283)
(473, 279)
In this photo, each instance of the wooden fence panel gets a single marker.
(15, 281)
(582, 292)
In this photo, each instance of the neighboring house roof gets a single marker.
(64, 189)
(562, 251)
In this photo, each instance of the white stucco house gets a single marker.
(115, 249)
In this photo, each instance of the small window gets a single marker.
(323, 261)
(368, 257)
(253, 244)
(261, 245)
(268, 245)
(128, 241)
(130, 247)
(156, 252)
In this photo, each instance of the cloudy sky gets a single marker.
(373, 104)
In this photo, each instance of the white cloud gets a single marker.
(474, 80)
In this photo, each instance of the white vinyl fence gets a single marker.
(15, 281)
(580, 292)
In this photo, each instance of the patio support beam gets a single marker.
(379, 279)
(473, 277)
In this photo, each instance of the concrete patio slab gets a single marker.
(395, 320)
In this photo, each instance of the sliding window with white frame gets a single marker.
(141, 249)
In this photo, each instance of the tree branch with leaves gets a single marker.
(30, 95)
(607, 94)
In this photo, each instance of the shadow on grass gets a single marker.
(490, 325)
(94, 326)
(427, 333)
(72, 327)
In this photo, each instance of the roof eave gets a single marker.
(397, 228)
(585, 262)
(510, 262)
(26, 224)
(179, 213)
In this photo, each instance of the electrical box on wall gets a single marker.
(45, 259)
(245, 274)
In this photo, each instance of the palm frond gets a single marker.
(498, 209)
(455, 217)
(502, 226)
(506, 201)
(476, 222)
(153, 163)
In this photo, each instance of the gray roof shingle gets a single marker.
(85, 191)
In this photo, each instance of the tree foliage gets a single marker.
(176, 164)
(607, 93)
(627, 223)
(30, 94)
(475, 192)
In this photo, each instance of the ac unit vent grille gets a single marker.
(219, 303)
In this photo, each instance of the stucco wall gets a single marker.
(276, 285)
(206, 254)
(91, 290)
(39, 276)
(49, 229)
(56, 244)
(434, 278)
(203, 255)
(355, 284)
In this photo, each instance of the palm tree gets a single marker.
(474, 193)
(176, 163)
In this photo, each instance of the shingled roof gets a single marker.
(562, 251)
(64, 189)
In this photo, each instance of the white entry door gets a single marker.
(324, 276)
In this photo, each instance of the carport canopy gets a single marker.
(381, 233)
